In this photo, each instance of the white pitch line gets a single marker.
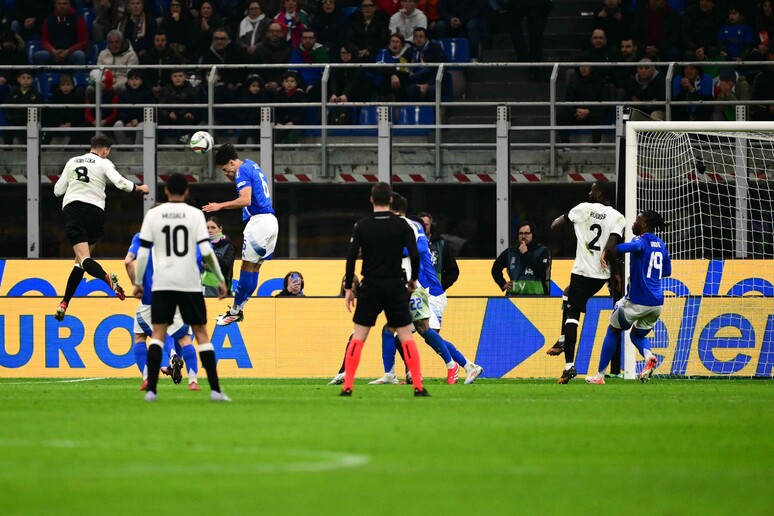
(55, 381)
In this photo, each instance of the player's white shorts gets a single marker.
(260, 237)
(142, 323)
(425, 306)
(627, 314)
(437, 308)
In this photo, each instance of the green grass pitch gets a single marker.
(295, 447)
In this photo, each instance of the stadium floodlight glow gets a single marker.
(712, 182)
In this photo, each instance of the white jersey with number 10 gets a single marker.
(593, 224)
(175, 229)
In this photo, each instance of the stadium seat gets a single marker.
(89, 15)
(368, 116)
(457, 50)
(45, 83)
(81, 79)
(94, 50)
(10, 5)
(2, 117)
(33, 46)
(416, 115)
(348, 11)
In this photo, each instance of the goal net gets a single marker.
(712, 182)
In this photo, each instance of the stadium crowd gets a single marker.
(289, 32)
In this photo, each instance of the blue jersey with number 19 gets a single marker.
(649, 263)
(250, 174)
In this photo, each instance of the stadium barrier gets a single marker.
(287, 337)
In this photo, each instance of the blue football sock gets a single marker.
(168, 345)
(248, 281)
(438, 344)
(608, 350)
(140, 355)
(641, 342)
(388, 350)
(191, 359)
(456, 354)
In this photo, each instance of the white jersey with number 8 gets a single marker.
(593, 224)
(84, 179)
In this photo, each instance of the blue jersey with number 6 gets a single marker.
(649, 263)
(250, 174)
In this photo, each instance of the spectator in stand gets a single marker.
(614, 20)
(692, 86)
(222, 94)
(178, 26)
(389, 6)
(735, 38)
(24, 93)
(11, 54)
(28, 18)
(391, 83)
(731, 86)
(421, 80)
(252, 28)
(588, 86)
(659, 29)
(431, 10)
(108, 96)
(763, 89)
(161, 54)
(290, 116)
(347, 84)
(118, 52)
(462, 19)
(708, 55)
(628, 53)
(330, 25)
(294, 20)
(225, 51)
(203, 26)
(138, 27)
(535, 12)
(407, 19)
(647, 85)
(702, 22)
(64, 37)
(598, 51)
(308, 52)
(254, 93)
(138, 94)
(225, 253)
(292, 285)
(109, 13)
(64, 93)
(274, 50)
(368, 30)
(178, 92)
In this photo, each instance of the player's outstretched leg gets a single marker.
(642, 343)
(558, 347)
(608, 349)
(472, 371)
(76, 275)
(248, 282)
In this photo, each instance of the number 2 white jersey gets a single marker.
(175, 229)
(84, 179)
(593, 224)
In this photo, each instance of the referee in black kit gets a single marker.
(381, 237)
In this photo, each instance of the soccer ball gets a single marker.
(201, 142)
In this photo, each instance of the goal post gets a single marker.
(712, 182)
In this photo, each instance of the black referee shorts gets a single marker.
(84, 222)
(192, 308)
(375, 295)
(581, 290)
